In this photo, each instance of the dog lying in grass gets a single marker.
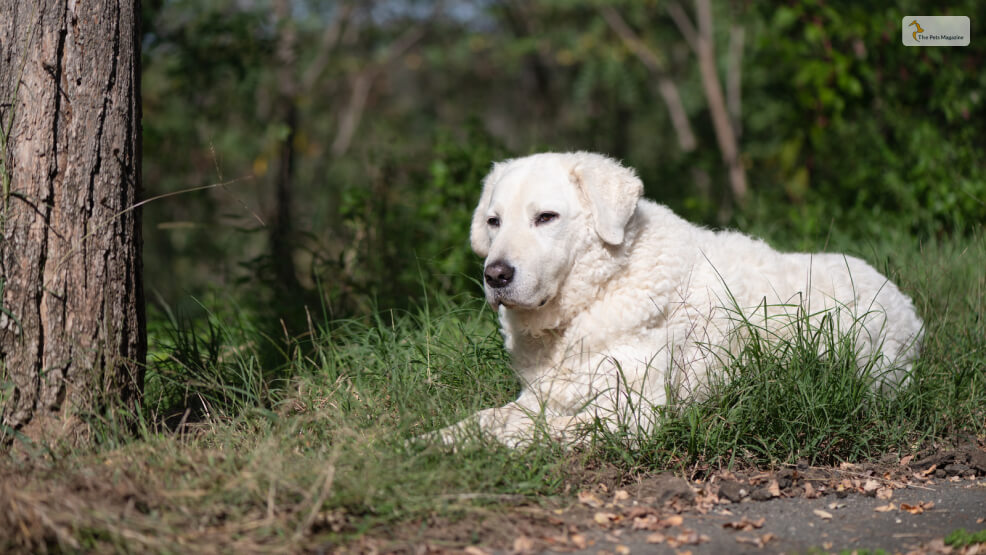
(610, 303)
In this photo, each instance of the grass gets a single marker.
(234, 454)
(960, 538)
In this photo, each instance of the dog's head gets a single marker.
(538, 214)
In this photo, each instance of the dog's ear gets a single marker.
(479, 236)
(612, 191)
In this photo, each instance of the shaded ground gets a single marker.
(901, 506)
(907, 505)
(829, 524)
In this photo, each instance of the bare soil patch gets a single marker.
(906, 504)
(901, 505)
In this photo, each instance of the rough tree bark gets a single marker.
(72, 328)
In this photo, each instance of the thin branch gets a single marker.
(352, 114)
(725, 135)
(684, 24)
(734, 77)
(631, 40)
(330, 38)
(679, 119)
(74, 250)
(362, 83)
(665, 85)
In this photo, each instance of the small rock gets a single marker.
(956, 469)
(761, 494)
(733, 490)
(667, 488)
(940, 473)
(977, 460)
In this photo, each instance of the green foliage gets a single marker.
(841, 126)
(206, 364)
(854, 126)
(960, 538)
(413, 221)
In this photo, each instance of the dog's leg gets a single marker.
(512, 424)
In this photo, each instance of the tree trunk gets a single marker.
(72, 329)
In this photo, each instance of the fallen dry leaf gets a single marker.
(931, 469)
(810, 492)
(884, 493)
(622, 550)
(687, 537)
(656, 537)
(605, 519)
(885, 508)
(744, 524)
(906, 460)
(774, 489)
(916, 509)
(652, 522)
(590, 499)
(822, 514)
(473, 550)
(647, 522)
(578, 540)
(639, 511)
(836, 505)
(620, 495)
(871, 486)
(758, 541)
(556, 540)
(523, 544)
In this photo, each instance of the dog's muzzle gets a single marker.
(498, 274)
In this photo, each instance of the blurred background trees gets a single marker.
(343, 143)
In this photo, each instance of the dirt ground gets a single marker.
(900, 506)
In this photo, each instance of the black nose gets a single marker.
(499, 274)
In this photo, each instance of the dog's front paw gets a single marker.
(445, 437)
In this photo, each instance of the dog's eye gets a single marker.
(545, 217)
(493, 222)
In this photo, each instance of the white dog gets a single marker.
(606, 298)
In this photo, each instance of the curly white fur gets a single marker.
(616, 298)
